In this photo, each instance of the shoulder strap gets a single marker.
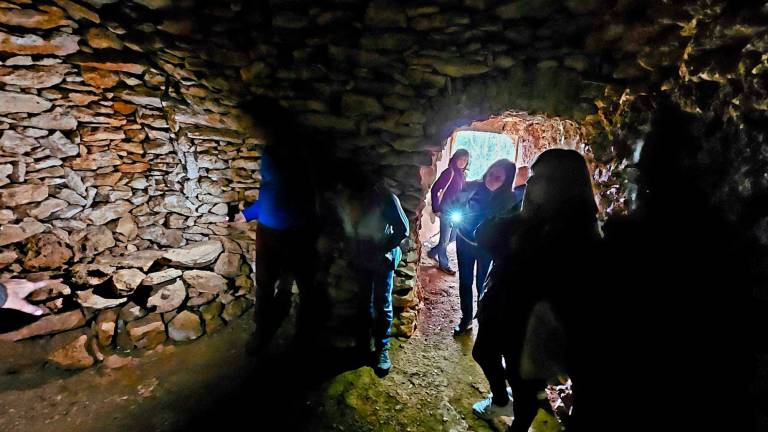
(447, 185)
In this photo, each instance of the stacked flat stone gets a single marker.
(117, 166)
(120, 133)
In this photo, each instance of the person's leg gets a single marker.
(365, 310)
(268, 269)
(524, 402)
(466, 259)
(483, 266)
(442, 245)
(314, 304)
(487, 354)
(382, 305)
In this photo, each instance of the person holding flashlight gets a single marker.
(479, 200)
(444, 193)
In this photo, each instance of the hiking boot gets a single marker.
(487, 410)
(462, 329)
(382, 363)
(447, 269)
(432, 253)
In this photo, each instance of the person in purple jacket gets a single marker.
(444, 193)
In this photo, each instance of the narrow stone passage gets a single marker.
(434, 381)
(213, 383)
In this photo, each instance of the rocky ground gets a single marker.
(212, 383)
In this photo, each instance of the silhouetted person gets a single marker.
(480, 199)
(445, 193)
(375, 225)
(287, 229)
(542, 256)
(681, 270)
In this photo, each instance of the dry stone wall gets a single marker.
(121, 134)
(120, 155)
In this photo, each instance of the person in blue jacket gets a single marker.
(286, 233)
(375, 224)
(479, 200)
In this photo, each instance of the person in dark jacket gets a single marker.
(539, 258)
(479, 200)
(375, 225)
(444, 193)
(287, 230)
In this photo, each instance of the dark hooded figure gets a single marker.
(478, 201)
(287, 229)
(540, 255)
(444, 193)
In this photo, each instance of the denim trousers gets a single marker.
(469, 256)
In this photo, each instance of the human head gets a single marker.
(499, 175)
(460, 159)
(559, 184)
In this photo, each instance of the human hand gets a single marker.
(18, 290)
(239, 218)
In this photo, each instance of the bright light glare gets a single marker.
(455, 217)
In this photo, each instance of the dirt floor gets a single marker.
(212, 384)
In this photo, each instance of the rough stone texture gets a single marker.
(157, 278)
(46, 251)
(90, 300)
(147, 332)
(16, 233)
(105, 326)
(73, 355)
(199, 254)
(167, 298)
(205, 281)
(91, 274)
(59, 44)
(47, 325)
(146, 124)
(127, 280)
(235, 308)
(185, 326)
(12, 196)
(228, 265)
